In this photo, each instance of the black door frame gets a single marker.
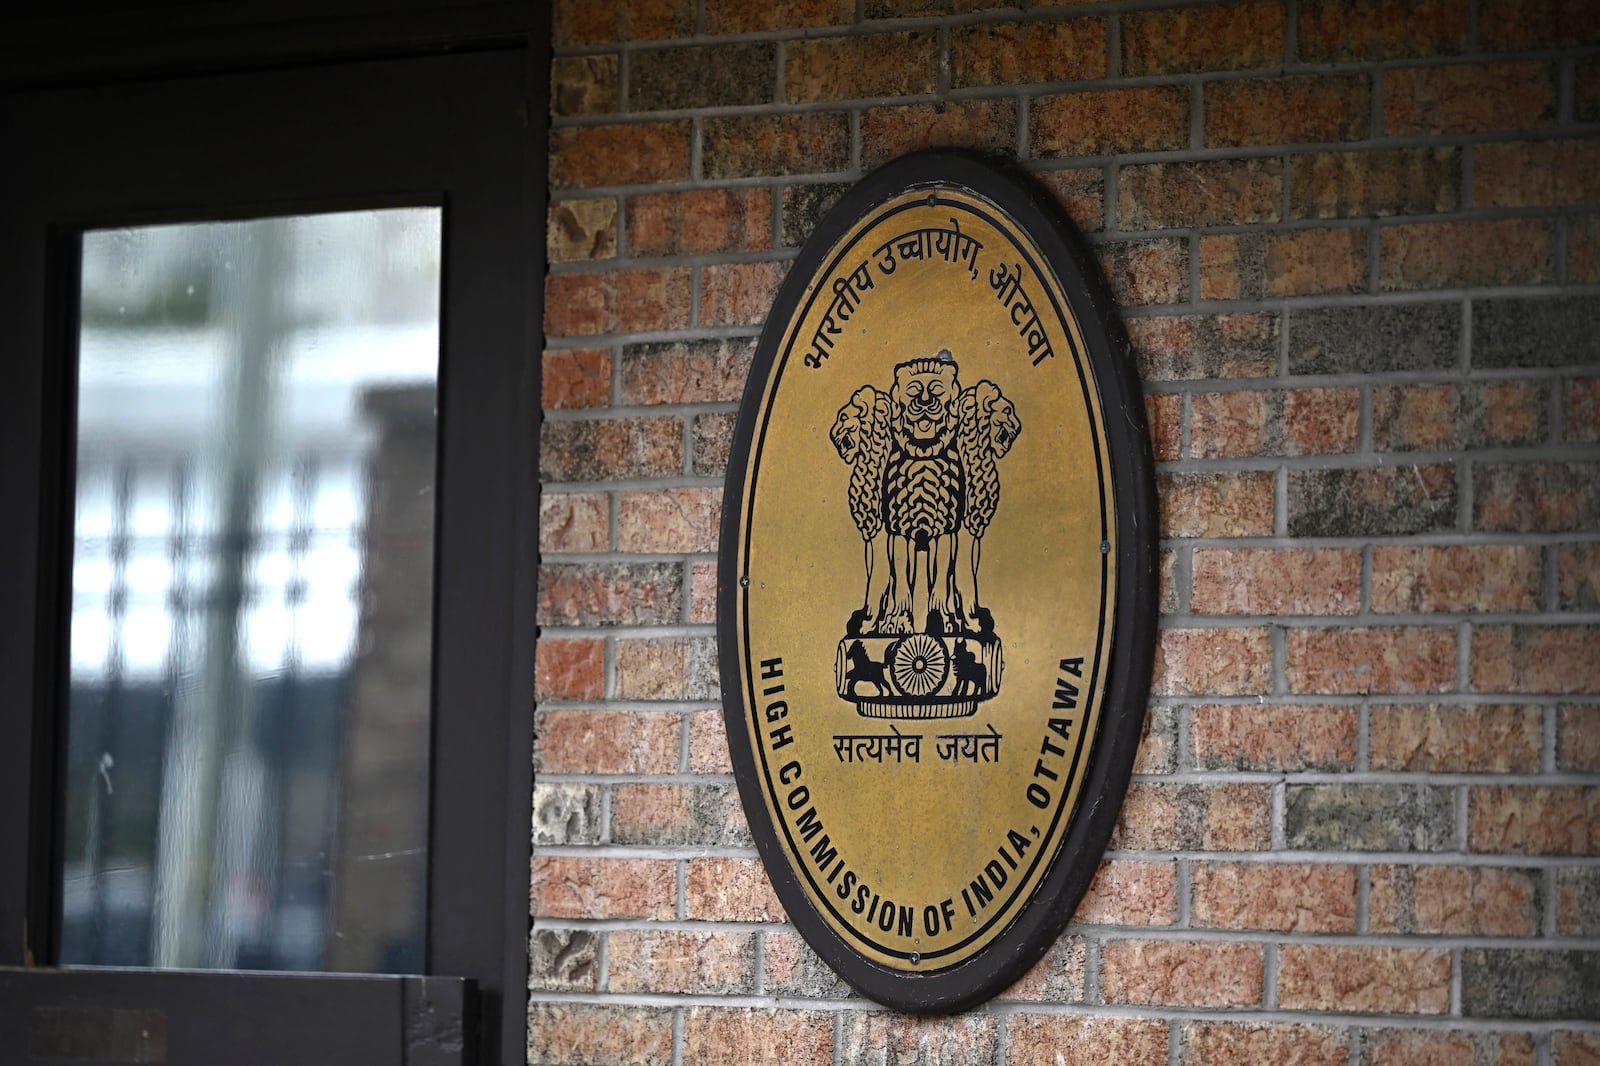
(281, 116)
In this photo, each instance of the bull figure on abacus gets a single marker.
(924, 487)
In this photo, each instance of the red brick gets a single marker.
(1577, 1049)
(888, 132)
(574, 522)
(1232, 266)
(1453, 900)
(1314, 262)
(1580, 408)
(728, 1036)
(1110, 122)
(1457, 417)
(1286, 897)
(1432, 255)
(1019, 53)
(700, 221)
(579, 377)
(1583, 253)
(669, 520)
(743, 146)
(1158, 740)
(1223, 662)
(847, 68)
(569, 669)
(607, 742)
(1288, 110)
(1206, 193)
(1189, 347)
(738, 16)
(1429, 101)
(1276, 738)
(1335, 30)
(610, 448)
(1051, 1039)
(1459, 577)
(1131, 892)
(580, 230)
(879, 1036)
(1419, 1048)
(1560, 659)
(1147, 272)
(1164, 413)
(704, 962)
(1363, 979)
(1537, 497)
(1407, 181)
(1578, 577)
(1181, 973)
(1230, 1043)
(1578, 737)
(1534, 820)
(1372, 659)
(1515, 25)
(703, 593)
(1232, 37)
(1320, 421)
(617, 301)
(1217, 504)
(576, 1034)
(588, 887)
(583, 85)
(1373, 501)
(639, 153)
(738, 294)
(1536, 173)
(1276, 581)
(1237, 818)
(1448, 738)
(730, 890)
(576, 22)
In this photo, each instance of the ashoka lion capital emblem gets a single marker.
(924, 486)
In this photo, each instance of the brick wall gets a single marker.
(1358, 249)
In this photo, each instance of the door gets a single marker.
(301, 647)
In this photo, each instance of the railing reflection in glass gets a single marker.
(252, 595)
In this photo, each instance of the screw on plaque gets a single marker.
(916, 957)
(744, 582)
(1105, 547)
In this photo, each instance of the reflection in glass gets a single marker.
(252, 595)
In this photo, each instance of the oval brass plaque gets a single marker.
(935, 612)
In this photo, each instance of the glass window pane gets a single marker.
(251, 635)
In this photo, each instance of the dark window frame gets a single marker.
(299, 120)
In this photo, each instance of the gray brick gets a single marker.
(702, 76)
(1524, 983)
(748, 146)
(610, 594)
(565, 814)
(1536, 497)
(563, 960)
(1375, 502)
(803, 208)
(713, 440)
(1369, 817)
(1578, 901)
(711, 816)
(1536, 331)
(1372, 340)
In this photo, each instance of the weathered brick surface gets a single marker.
(1049, 1039)
(1222, 1043)
(1409, 181)
(1352, 243)
(1367, 980)
(1181, 973)
(1455, 738)
(1461, 900)
(1287, 897)
(1283, 737)
(1369, 817)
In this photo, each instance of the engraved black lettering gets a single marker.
(1018, 842)
(777, 710)
(798, 796)
(860, 903)
(947, 910)
(930, 920)
(1038, 795)
(823, 851)
(1072, 666)
(771, 668)
(789, 772)
(1061, 727)
(847, 885)
(1047, 748)
(980, 891)
(997, 873)
(906, 916)
(782, 737)
(1041, 770)
(808, 824)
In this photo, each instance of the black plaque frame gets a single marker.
(1043, 917)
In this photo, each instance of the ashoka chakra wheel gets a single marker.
(919, 664)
